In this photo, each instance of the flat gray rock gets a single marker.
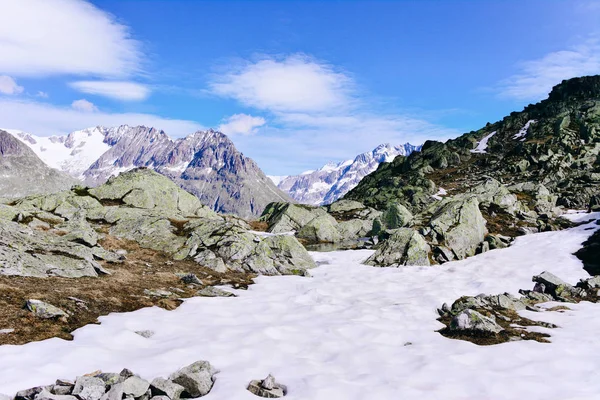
(166, 388)
(197, 378)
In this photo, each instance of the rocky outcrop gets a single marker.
(590, 254)
(22, 173)
(491, 319)
(404, 247)
(332, 181)
(59, 234)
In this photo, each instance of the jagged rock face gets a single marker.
(23, 173)
(205, 163)
(555, 143)
(333, 181)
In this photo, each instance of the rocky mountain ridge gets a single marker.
(334, 180)
(23, 173)
(205, 163)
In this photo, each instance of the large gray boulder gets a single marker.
(27, 252)
(459, 225)
(287, 217)
(396, 216)
(322, 229)
(404, 247)
(44, 310)
(197, 379)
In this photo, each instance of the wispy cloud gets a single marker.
(9, 86)
(84, 105)
(241, 124)
(120, 90)
(536, 78)
(48, 37)
(46, 119)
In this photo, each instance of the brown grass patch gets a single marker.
(122, 291)
(259, 226)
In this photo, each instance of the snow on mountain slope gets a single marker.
(332, 181)
(73, 153)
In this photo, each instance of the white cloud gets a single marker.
(46, 119)
(241, 124)
(43, 95)
(294, 83)
(9, 86)
(47, 37)
(120, 90)
(84, 105)
(537, 77)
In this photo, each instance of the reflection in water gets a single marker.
(362, 243)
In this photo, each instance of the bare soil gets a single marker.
(85, 299)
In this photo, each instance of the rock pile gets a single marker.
(193, 381)
(267, 388)
(491, 319)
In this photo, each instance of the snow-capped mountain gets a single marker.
(23, 173)
(334, 180)
(205, 163)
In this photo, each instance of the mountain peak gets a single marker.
(582, 88)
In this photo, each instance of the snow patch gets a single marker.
(523, 131)
(482, 145)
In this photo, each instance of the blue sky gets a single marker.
(293, 83)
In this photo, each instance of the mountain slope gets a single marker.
(205, 163)
(549, 150)
(332, 181)
(22, 172)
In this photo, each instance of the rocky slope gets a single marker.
(475, 193)
(23, 173)
(205, 163)
(333, 181)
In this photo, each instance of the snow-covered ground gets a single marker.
(350, 332)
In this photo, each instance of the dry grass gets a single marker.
(120, 292)
(259, 226)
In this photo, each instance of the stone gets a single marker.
(267, 388)
(157, 293)
(47, 395)
(62, 390)
(27, 252)
(473, 321)
(459, 225)
(89, 388)
(396, 216)
(549, 283)
(145, 334)
(404, 247)
(165, 387)
(44, 310)
(125, 373)
(322, 229)
(287, 217)
(135, 386)
(197, 378)
(191, 278)
(590, 283)
(342, 206)
(114, 393)
(211, 291)
(28, 394)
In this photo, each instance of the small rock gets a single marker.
(28, 394)
(211, 291)
(166, 388)
(135, 386)
(125, 373)
(146, 334)
(44, 310)
(64, 382)
(197, 378)
(46, 395)
(267, 388)
(110, 378)
(157, 293)
(191, 278)
(89, 388)
(62, 390)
